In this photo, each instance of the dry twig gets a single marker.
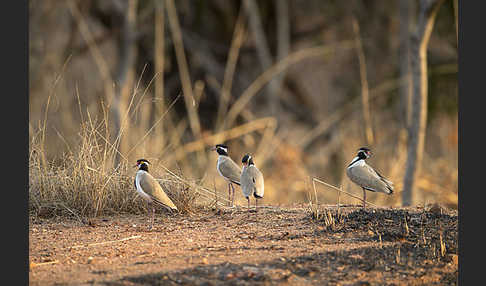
(104, 242)
(339, 190)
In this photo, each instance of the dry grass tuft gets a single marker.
(332, 217)
(82, 182)
(182, 195)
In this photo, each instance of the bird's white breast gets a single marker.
(220, 161)
(139, 188)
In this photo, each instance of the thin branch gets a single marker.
(238, 37)
(341, 191)
(103, 243)
(283, 43)
(266, 122)
(404, 67)
(184, 72)
(364, 84)
(159, 55)
(183, 66)
(33, 264)
(263, 51)
(93, 48)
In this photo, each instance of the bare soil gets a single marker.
(228, 246)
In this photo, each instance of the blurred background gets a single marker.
(300, 85)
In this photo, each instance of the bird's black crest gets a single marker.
(222, 149)
(364, 152)
(245, 158)
(364, 149)
(143, 164)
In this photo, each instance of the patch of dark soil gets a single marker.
(418, 227)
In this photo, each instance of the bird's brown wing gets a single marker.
(246, 183)
(366, 177)
(230, 170)
(257, 178)
(155, 191)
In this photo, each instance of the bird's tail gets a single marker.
(388, 183)
(171, 207)
(389, 186)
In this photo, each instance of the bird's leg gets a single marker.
(364, 198)
(153, 215)
(229, 194)
(148, 209)
(232, 195)
(248, 198)
(256, 205)
(150, 206)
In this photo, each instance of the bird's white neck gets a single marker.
(222, 158)
(357, 161)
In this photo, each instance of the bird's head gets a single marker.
(221, 149)
(142, 164)
(364, 153)
(247, 160)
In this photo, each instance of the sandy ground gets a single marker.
(229, 246)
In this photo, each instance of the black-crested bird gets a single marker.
(149, 189)
(251, 180)
(228, 169)
(365, 176)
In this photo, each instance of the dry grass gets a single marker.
(83, 183)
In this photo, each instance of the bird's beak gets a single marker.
(213, 148)
(135, 165)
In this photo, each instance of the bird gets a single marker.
(366, 177)
(228, 169)
(251, 181)
(149, 189)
